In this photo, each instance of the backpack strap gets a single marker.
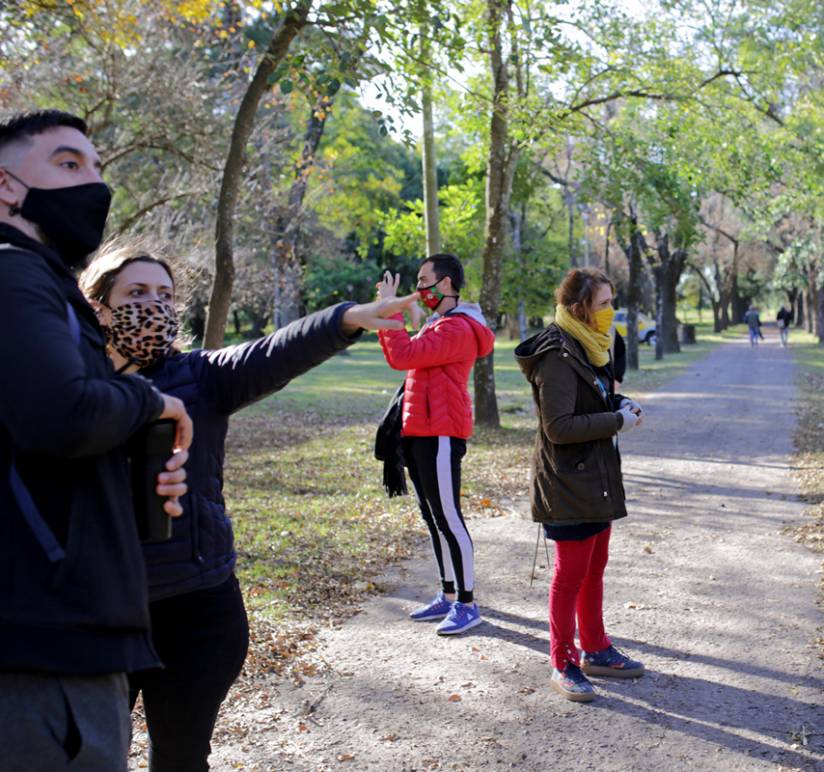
(40, 529)
(47, 540)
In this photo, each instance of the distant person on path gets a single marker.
(753, 322)
(577, 487)
(199, 624)
(784, 320)
(437, 420)
(73, 604)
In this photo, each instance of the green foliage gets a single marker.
(361, 173)
(461, 214)
(330, 280)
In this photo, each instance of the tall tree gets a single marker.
(500, 171)
(428, 156)
(290, 23)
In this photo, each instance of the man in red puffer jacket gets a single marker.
(437, 420)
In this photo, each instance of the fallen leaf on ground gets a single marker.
(454, 698)
(345, 757)
(390, 738)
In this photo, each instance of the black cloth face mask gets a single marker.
(71, 219)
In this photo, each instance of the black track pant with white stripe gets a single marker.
(434, 465)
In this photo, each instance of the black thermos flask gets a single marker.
(150, 449)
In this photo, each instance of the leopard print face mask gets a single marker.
(142, 332)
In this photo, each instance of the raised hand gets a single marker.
(388, 286)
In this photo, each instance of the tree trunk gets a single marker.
(660, 329)
(517, 217)
(290, 23)
(716, 303)
(717, 323)
(569, 200)
(606, 247)
(672, 276)
(819, 317)
(430, 164)
(739, 304)
(633, 246)
(287, 266)
(810, 303)
(799, 311)
(503, 156)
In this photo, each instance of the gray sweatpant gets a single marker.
(77, 723)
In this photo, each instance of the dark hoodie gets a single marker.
(576, 465)
(72, 580)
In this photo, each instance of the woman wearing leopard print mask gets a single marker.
(199, 624)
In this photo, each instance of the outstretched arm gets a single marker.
(239, 375)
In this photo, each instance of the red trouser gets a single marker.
(578, 587)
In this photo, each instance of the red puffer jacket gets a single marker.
(436, 400)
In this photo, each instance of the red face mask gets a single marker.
(430, 297)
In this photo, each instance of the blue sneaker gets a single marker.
(572, 683)
(462, 617)
(610, 662)
(435, 609)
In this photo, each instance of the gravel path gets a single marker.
(702, 586)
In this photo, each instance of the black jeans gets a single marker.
(201, 638)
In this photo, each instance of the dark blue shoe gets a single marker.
(462, 617)
(610, 662)
(572, 683)
(435, 609)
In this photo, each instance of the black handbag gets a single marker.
(388, 446)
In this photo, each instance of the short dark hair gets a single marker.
(23, 126)
(447, 264)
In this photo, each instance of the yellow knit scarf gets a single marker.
(595, 343)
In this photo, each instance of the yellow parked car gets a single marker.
(646, 326)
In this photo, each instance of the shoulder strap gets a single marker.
(74, 323)
(40, 529)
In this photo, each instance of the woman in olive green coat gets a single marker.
(577, 489)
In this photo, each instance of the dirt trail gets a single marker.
(702, 586)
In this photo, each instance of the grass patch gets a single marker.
(313, 526)
(809, 436)
(809, 443)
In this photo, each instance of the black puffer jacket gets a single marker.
(72, 580)
(576, 466)
(213, 385)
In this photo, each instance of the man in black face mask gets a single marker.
(73, 603)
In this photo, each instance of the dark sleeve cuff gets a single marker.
(620, 420)
(340, 310)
